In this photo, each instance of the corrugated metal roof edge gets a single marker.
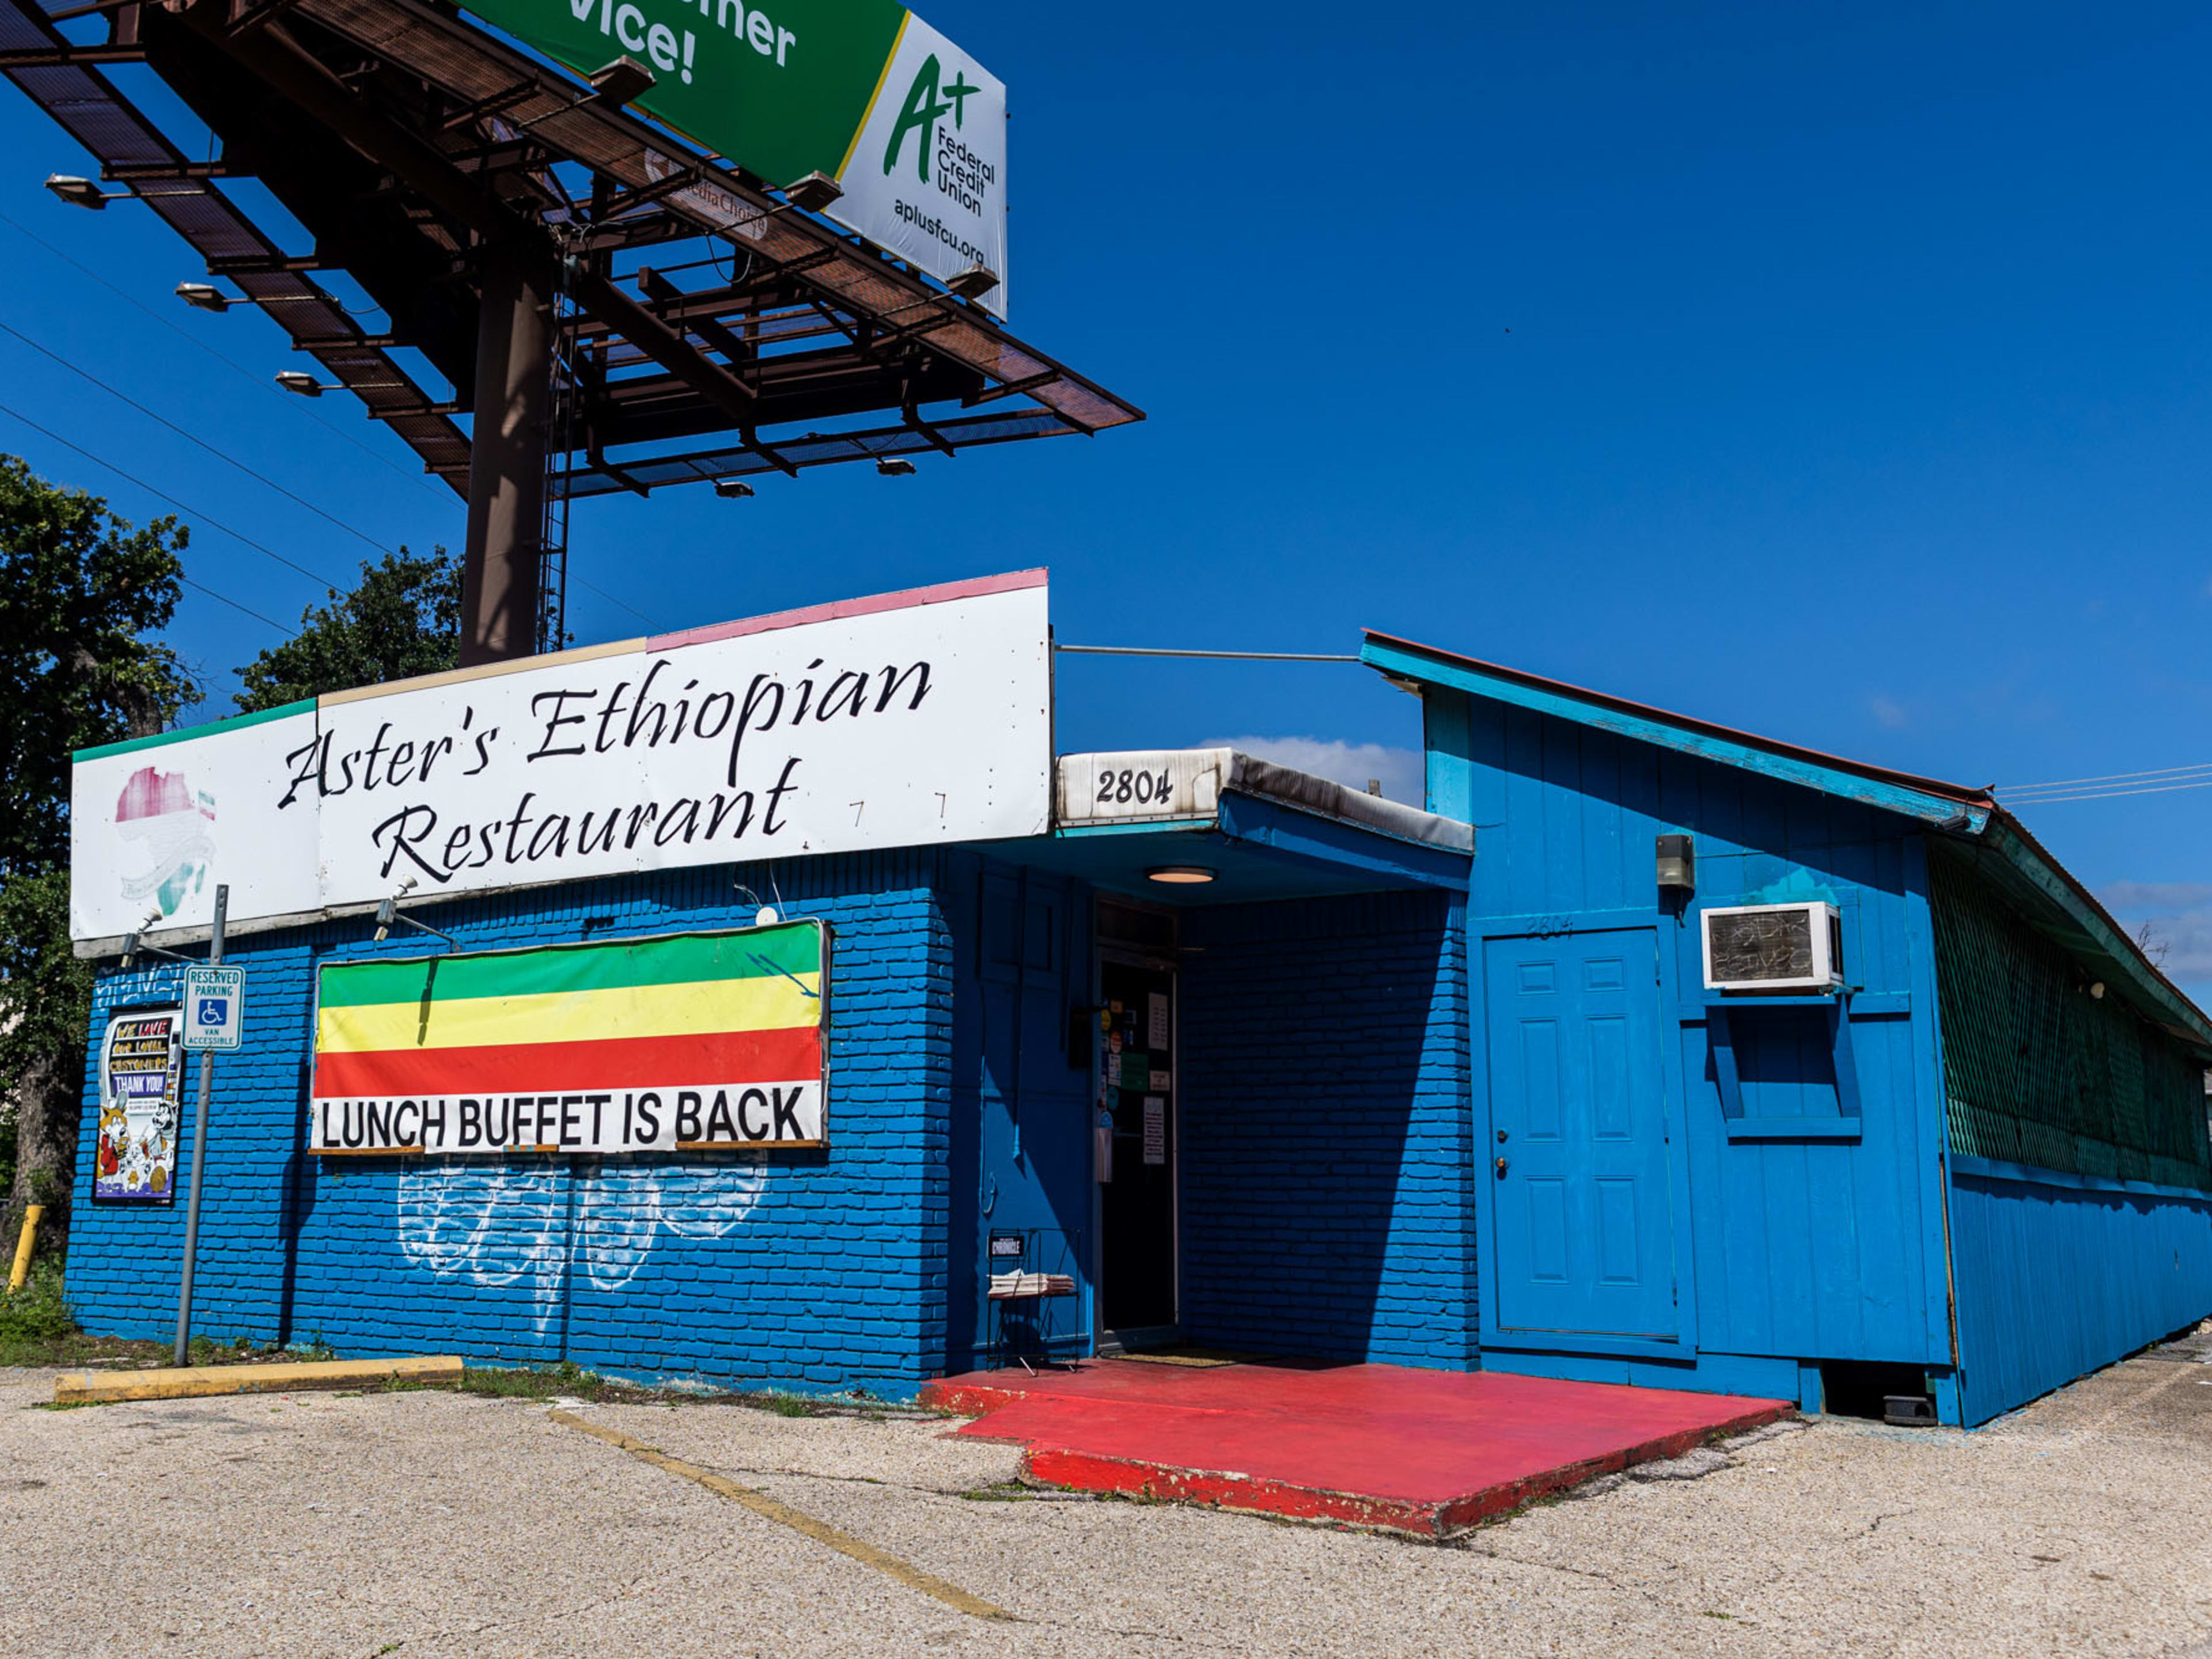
(1983, 814)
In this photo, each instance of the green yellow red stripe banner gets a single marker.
(687, 1040)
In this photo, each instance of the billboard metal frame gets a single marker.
(710, 328)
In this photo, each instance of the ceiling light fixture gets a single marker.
(1180, 875)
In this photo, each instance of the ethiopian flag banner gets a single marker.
(684, 1042)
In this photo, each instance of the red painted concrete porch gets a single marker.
(1419, 1451)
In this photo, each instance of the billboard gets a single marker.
(686, 1042)
(909, 125)
(913, 719)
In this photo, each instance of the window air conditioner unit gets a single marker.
(1773, 947)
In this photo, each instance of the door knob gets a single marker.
(1501, 1168)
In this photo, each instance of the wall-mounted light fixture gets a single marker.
(388, 915)
(1677, 864)
(1180, 875)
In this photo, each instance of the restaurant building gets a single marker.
(768, 1005)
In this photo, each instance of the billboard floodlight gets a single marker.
(973, 282)
(814, 193)
(80, 192)
(203, 296)
(292, 379)
(732, 489)
(617, 82)
(894, 466)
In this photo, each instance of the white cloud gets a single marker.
(1887, 712)
(2156, 895)
(1400, 770)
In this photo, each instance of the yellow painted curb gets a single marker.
(171, 1382)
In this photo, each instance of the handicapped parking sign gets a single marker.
(215, 1007)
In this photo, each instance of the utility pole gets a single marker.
(199, 1154)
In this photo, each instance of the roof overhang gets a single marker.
(1945, 805)
(2068, 914)
(1260, 831)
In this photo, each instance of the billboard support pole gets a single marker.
(199, 1154)
(501, 568)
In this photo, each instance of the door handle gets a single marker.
(1501, 1169)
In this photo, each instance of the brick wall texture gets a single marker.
(810, 1271)
(1326, 1201)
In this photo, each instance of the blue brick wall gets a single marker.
(817, 1271)
(1326, 1152)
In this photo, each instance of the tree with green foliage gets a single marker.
(403, 620)
(82, 592)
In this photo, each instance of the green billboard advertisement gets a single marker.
(911, 127)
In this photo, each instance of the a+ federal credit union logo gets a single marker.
(927, 104)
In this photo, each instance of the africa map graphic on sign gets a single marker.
(169, 825)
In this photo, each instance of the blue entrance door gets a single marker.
(1584, 1226)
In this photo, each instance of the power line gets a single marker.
(2111, 794)
(612, 600)
(226, 599)
(1232, 656)
(181, 507)
(189, 437)
(228, 362)
(2159, 774)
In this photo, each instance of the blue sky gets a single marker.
(1837, 373)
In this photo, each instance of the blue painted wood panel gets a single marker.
(1808, 1249)
(2055, 1282)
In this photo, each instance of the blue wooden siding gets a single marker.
(2058, 1275)
(1799, 1248)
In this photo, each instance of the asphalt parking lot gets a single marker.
(437, 1523)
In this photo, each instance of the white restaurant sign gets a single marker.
(909, 720)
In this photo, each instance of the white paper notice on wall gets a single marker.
(1156, 1021)
(1155, 1129)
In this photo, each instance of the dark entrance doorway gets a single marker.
(1137, 1206)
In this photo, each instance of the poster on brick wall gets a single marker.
(680, 1042)
(141, 1068)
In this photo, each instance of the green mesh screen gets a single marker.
(2038, 1071)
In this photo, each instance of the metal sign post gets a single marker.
(194, 1007)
